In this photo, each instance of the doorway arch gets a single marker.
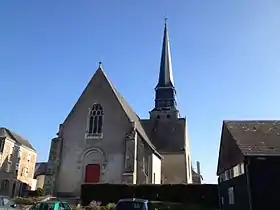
(94, 161)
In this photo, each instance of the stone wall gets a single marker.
(53, 165)
(144, 162)
(130, 140)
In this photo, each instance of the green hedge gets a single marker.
(24, 201)
(35, 193)
(203, 194)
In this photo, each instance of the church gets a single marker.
(103, 140)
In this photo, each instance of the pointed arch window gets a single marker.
(95, 121)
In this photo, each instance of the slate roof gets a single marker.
(40, 169)
(167, 136)
(165, 73)
(6, 133)
(256, 137)
(133, 117)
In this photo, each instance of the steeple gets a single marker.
(165, 73)
(165, 98)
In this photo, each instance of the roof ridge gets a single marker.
(120, 98)
(18, 138)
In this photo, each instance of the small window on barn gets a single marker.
(231, 195)
(225, 178)
(95, 121)
(230, 173)
(222, 200)
(241, 168)
(222, 177)
(226, 175)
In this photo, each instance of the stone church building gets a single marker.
(103, 140)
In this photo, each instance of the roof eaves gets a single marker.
(261, 154)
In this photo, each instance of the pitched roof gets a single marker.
(5, 132)
(256, 137)
(133, 117)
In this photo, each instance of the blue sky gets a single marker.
(225, 58)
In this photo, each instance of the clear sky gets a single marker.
(225, 58)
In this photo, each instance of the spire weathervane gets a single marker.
(165, 20)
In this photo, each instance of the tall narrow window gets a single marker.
(96, 121)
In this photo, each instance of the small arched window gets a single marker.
(95, 123)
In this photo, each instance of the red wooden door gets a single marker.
(92, 173)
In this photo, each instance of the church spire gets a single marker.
(165, 90)
(165, 74)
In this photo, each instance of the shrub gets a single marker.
(93, 206)
(27, 200)
(110, 206)
(77, 207)
(39, 192)
(24, 201)
(36, 193)
(203, 194)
